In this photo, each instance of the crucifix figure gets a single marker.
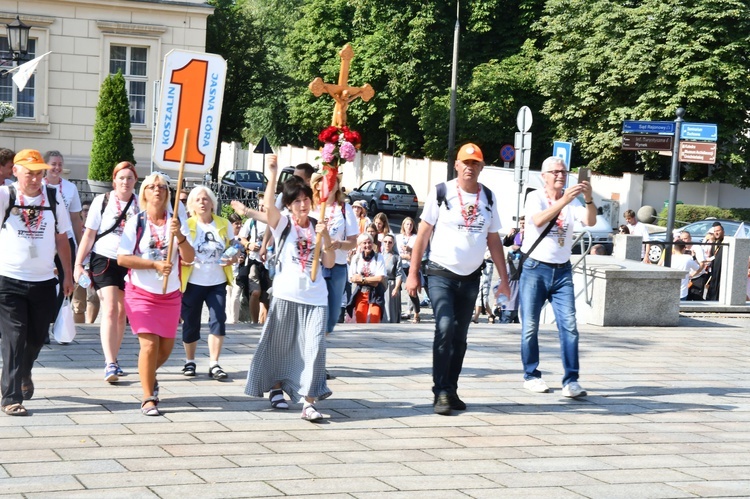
(342, 93)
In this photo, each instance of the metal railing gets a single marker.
(583, 238)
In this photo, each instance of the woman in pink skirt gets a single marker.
(153, 315)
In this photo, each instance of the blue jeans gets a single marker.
(453, 307)
(215, 298)
(335, 284)
(541, 282)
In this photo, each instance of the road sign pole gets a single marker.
(674, 180)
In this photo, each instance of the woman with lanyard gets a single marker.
(405, 242)
(343, 229)
(367, 273)
(152, 312)
(206, 280)
(394, 276)
(104, 226)
(291, 354)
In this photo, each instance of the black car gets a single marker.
(246, 179)
(388, 196)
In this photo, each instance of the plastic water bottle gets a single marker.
(84, 280)
(232, 250)
(501, 300)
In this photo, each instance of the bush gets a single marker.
(113, 141)
(689, 213)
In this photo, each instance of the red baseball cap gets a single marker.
(470, 151)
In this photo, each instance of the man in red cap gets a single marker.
(31, 233)
(459, 220)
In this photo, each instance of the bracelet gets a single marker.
(183, 240)
(589, 202)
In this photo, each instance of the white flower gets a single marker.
(6, 111)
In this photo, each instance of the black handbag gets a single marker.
(516, 272)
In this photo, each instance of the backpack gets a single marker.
(119, 219)
(51, 197)
(441, 190)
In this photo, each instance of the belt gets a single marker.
(438, 270)
(553, 265)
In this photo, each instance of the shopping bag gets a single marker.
(65, 328)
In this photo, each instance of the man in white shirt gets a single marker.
(30, 235)
(547, 272)
(462, 221)
(636, 228)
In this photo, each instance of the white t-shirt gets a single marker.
(209, 246)
(638, 229)
(402, 243)
(681, 261)
(147, 278)
(101, 222)
(291, 283)
(375, 267)
(340, 227)
(549, 250)
(700, 257)
(29, 245)
(69, 192)
(458, 242)
(254, 234)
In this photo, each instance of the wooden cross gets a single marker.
(342, 93)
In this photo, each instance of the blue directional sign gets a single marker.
(662, 127)
(699, 131)
(563, 151)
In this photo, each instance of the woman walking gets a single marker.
(206, 280)
(105, 223)
(291, 354)
(405, 242)
(153, 315)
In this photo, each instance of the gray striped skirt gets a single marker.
(292, 350)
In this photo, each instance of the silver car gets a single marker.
(388, 196)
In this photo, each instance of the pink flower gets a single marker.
(347, 151)
(327, 154)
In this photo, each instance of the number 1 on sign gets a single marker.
(192, 81)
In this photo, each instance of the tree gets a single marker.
(113, 141)
(603, 62)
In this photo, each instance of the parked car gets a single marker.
(285, 173)
(601, 233)
(697, 232)
(388, 196)
(247, 179)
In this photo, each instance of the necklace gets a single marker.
(559, 222)
(29, 214)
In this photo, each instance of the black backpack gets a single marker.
(51, 197)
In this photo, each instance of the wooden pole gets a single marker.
(318, 238)
(176, 206)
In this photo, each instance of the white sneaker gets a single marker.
(573, 390)
(536, 385)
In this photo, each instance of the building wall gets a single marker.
(79, 33)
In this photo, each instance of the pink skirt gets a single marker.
(152, 313)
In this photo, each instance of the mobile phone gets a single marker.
(584, 174)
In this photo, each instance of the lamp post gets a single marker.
(18, 42)
(454, 84)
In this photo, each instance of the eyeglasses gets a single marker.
(153, 187)
(556, 173)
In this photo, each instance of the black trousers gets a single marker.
(26, 310)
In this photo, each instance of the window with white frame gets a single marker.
(24, 101)
(133, 63)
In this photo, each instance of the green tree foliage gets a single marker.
(113, 141)
(605, 61)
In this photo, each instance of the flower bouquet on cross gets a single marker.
(340, 144)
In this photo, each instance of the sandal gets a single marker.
(15, 410)
(217, 373)
(310, 413)
(156, 390)
(27, 388)
(277, 399)
(151, 410)
(415, 320)
(189, 369)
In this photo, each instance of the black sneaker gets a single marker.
(456, 403)
(442, 405)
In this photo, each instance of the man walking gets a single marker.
(459, 220)
(30, 234)
(547, 273)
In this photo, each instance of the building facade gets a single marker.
(90, 39)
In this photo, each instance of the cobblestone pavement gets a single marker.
(667, 416)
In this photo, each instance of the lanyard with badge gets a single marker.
(304, 250)
(28, 216)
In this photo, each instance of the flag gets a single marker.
(740, 233)
(329, 182)
(25, 70)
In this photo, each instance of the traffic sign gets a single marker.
(563, 151)
(507, 153)
(699, 131)
(662, 127)
(263, 147)
(191, 96)
(524, 119)
(634, 142)
(698, 152)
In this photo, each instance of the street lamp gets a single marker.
(18, 42)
